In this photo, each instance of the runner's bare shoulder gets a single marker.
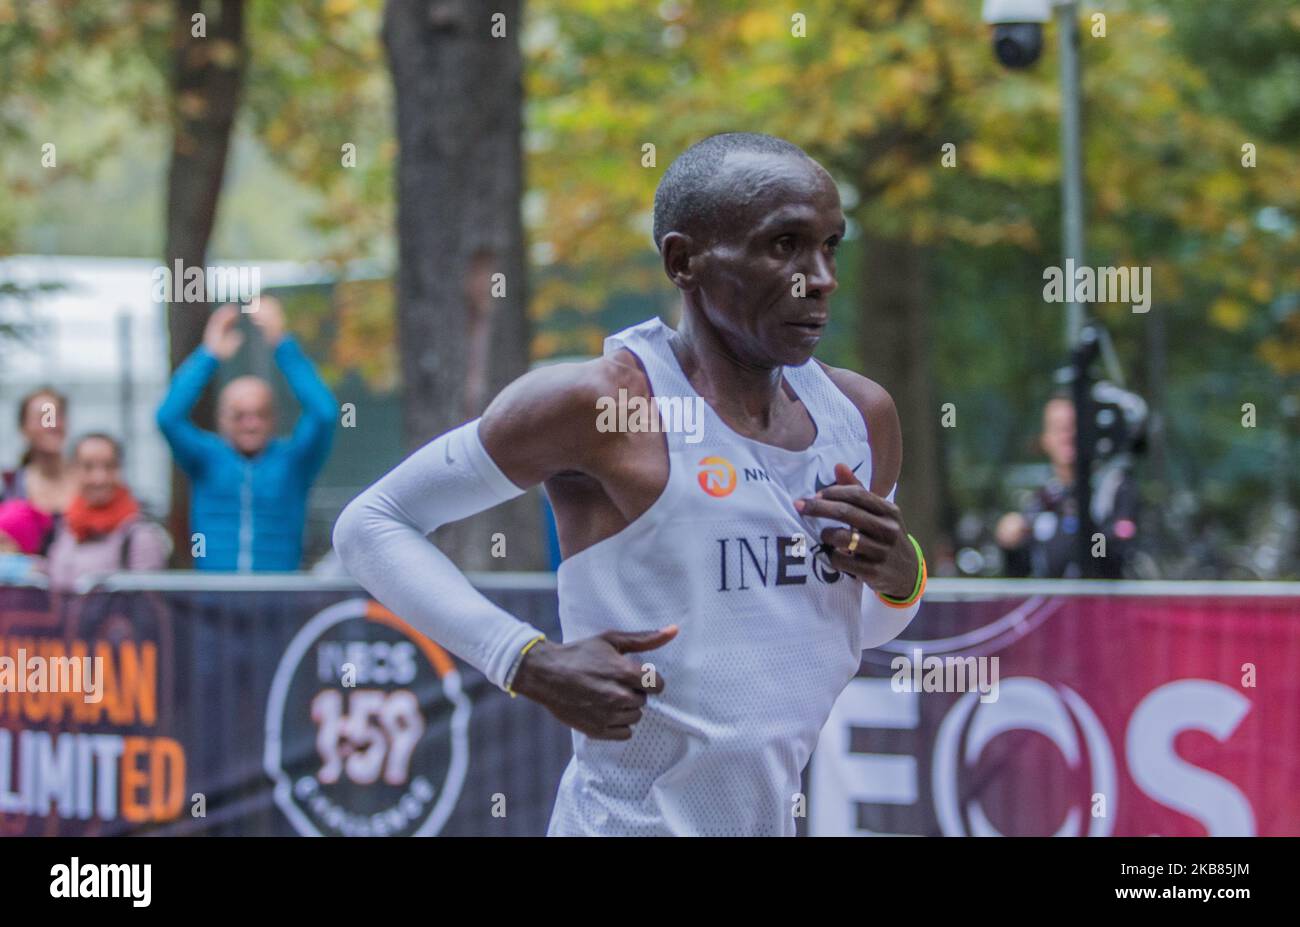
(544, 423)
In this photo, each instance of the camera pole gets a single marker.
(1081, 341)
(1071, 159)
(1081, 357)
(1017, 40)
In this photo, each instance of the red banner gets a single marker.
(1089, 715)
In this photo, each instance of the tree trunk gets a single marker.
(894, 343)
(459, 96)
(206, 82)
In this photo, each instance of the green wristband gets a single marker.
(920, 575)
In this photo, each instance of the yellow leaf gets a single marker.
(1228, 314)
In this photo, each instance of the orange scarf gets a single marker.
(86, 521)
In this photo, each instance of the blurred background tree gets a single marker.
(462, 294)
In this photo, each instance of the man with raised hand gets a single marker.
(248, 500)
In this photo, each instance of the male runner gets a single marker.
(706, 631)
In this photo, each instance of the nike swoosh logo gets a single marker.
(817, 480)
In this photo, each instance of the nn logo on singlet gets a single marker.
(717, 476)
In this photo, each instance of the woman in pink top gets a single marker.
(43, 477)
(23, 532)
(103, 530)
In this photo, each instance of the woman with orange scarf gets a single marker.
(103, 530)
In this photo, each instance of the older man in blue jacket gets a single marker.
(248, 500)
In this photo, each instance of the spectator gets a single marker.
(249, 495)
(42, 477)
(1042, 541)
(103, 530)
(23, 529)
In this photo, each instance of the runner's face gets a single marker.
(790, 223)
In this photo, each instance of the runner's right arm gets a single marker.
(539, 426)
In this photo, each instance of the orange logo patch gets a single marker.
(717, 476)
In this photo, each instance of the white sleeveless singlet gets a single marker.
(767, 638)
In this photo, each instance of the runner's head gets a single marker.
(736, 218)
(246, 414)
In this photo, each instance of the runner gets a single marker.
(718, 586)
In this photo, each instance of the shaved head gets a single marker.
(711, 184)
(246, 414)
(738, 218)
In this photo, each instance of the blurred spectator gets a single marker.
(1042, 541)
(23, 529)
(249, 496)
(42, 476)
(103, 530)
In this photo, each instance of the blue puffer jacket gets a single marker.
(250, 510)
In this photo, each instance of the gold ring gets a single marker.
(853, 540)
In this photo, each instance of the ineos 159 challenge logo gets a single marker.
(366, 727)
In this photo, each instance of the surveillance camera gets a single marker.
(1017, 29)
(1017, 45)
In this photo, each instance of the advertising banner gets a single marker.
(239, 713)
(1123, 715)
(317, 712)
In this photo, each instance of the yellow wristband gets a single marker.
(918, 589)
(509, 686)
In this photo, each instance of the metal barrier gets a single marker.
(937, 589)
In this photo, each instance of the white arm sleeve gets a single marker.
(880, 623)
(381, 539)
